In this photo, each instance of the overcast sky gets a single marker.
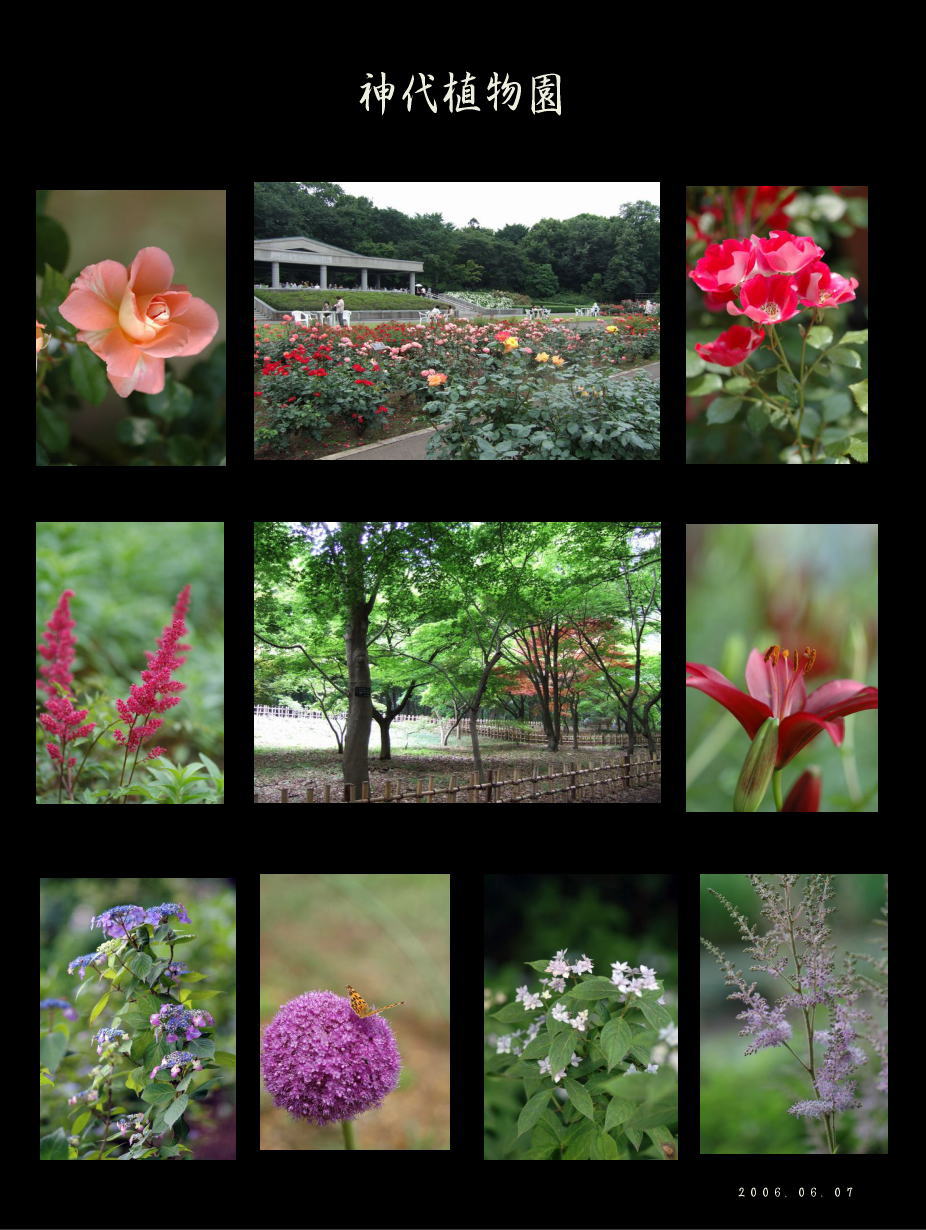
(496, 203)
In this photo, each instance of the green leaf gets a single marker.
(580, 1098)
(662, 1136)
(173, 1112)
(52, 428)
(619, 1111)
(819, 337)
(787, 385)
(615, 1040)
(738, 384)
(98, 1008)
(595, 988)
(723, 409)
(604, 1148)
(694, 364)
(860, 393)
(55, 289)
(655, 1013)
(756, 419)
(708, 382)
(561, 1051)
(88, 374)
(655, 1114)
(858, 449)
(52, 246)
(846, 357)
(859, 337)
(836, 406)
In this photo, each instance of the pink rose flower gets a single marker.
(784, 253)
(724, 265)
(133, 318)
(818, 286)
(767, 301)
(732, 347)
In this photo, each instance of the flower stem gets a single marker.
(776, 787)
(347, 1127)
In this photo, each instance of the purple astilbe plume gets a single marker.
(323, 1063)
(796, 948)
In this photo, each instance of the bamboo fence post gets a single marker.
(284, 796)
(310, 796)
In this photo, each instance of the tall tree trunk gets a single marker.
(360, 708)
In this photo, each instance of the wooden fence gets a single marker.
(505, 732)
(579, 785)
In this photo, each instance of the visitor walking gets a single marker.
(339, 310)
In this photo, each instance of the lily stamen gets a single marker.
(794, 661)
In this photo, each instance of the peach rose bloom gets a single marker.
(40, 338)
(134, 319)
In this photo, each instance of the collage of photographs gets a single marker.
(734, 1025)
(449, 321)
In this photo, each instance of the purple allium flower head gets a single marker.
(323, 1063)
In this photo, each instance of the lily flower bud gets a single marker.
(757, 768)
(804, 795)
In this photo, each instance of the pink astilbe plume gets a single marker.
(153, 694)
(63, 721)
(59, 649)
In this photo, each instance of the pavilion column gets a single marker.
(363, 280)
(323, 277)
(411, 283)
(275, 275)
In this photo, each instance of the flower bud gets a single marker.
(757, 768)
(804, 795)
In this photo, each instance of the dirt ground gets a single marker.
(300, 769)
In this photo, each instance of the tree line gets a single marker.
(371, 616)
(607, 259)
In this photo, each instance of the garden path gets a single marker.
(414, 446)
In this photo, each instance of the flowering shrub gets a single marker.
(796, 950)
(137, 978)
(770, 281)
(591, 1053)
(542, 385)
(196, 783)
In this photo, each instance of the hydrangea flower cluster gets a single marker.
(172, 1020)
(81, 963)
(177, 1061)
(119, 920)
(773, 278)
(103, 1037)
(68, 1009)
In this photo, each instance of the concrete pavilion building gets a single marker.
(298, 250)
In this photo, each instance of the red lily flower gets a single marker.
(776, 689)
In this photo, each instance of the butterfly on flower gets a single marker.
(362, 1008)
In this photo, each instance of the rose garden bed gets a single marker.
(515, 390)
